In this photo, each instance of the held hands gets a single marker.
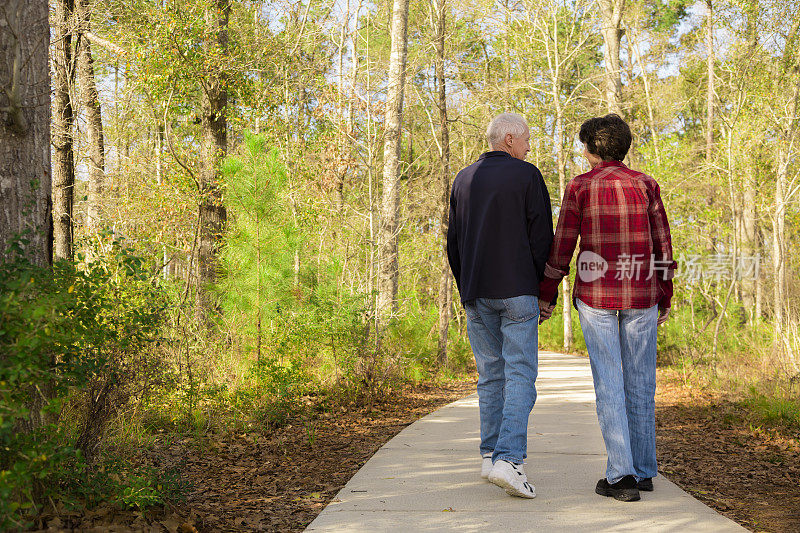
(545, 310)
(663, 315)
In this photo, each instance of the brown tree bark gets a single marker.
(26, 223)
(25, 173)
(62, 127)
(90, 101)
(388, 260)
(611, 17)
(213, 146)
(445, 278)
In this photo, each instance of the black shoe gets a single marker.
(623, 490)
(645, 484)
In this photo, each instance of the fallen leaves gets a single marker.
(707, 446)
(278, 481)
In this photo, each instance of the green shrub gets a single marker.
(72, 341)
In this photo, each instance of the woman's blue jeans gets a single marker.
(622, 352)
(504, 335)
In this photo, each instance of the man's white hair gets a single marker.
(503, 124)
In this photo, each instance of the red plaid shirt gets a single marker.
(625, 259)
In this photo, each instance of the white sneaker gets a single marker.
(512, 478)
(487, 465)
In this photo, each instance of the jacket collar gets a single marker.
(494, 153)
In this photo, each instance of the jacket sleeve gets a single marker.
(540, 222)
(453, 255)
(564, 242)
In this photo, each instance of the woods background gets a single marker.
(245, 217)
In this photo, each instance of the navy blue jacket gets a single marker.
(501, 228)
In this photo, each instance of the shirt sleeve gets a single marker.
(453, 256)
(567, 232)
(663, 260)
(540, 223)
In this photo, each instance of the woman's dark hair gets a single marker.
(607, 137)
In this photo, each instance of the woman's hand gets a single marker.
(545, 310)
(663, 315)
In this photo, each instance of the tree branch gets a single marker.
(108, 45)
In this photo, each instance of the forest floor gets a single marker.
(715, 448)
(280, 480)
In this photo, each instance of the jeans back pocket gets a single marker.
(521, 308)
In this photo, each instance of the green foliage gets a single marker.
(258, 261)
(774, 409)
(305, 328)
(119, 483)
(69, 337)
(551, 331)
(34, 465)
(666, 15)
(283, 385)
(687, 338)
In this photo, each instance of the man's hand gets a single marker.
(545, 310)
(663, 315)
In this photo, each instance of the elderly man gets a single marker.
(498, 241)
(622, 292)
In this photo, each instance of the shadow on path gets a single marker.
(427, 478)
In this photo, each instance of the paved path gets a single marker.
(427, 478)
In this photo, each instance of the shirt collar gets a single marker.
(610, 164)
(494, 153)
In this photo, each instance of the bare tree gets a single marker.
(25, 202)
(63, 122)
(438, 16)
(389, 265)
(751, 231)
(786, 152)
(710, 87)
(611, 16)
(90, 101)
(561, 50)
(633, 38)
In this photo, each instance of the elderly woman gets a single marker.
(622, 292)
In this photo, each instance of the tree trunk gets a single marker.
(25, 186)
(342, 145)
(90, 101)
(751, 232)
(566, 311)
(710, 88)
(785, 155)
(388, 267)
(445, 283)
(63, 121)
(611, 16)
(214, 145)
(651, 122)
(750, 244)
(25, 172)
(778, 248)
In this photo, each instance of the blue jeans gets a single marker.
(622, 352)
(504, 335)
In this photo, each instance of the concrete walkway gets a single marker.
(427, 478)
